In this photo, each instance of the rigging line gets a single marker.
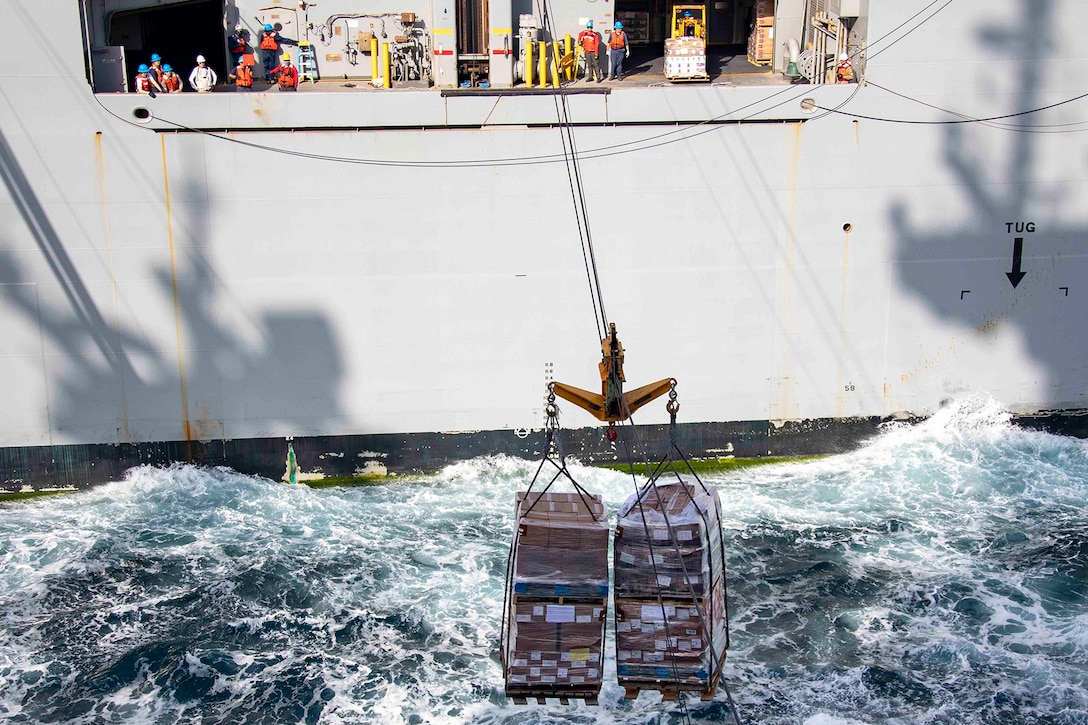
(1003, 126)
(574, 175)
(965, 119)
(904, 35)
(589, 256)
(600, 152)
(888, 34)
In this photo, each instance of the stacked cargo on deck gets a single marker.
(685, 59)
(558, 597)
(671, 629)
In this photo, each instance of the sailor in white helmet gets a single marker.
(203, 78)
(844, 71)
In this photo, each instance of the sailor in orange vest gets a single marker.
(156, 69)
(288, 74)
(590, 43)
(242, 75)
(844, 71)
(270, 45)
(618, 49)
(145, 82)
(171, 81)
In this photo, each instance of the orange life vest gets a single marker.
(143, 83)
(288, 76)
(268, 41)
(243, 76)
(589, 41)
(618, 40)
(171, 81)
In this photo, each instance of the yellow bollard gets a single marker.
(567, 45)
(542, 70)
(529, 64)
(373, 57)
(387, 82)
(555, 64)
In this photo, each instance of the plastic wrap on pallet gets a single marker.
(555, 645)
(677, 559)
(671, 643)
(684, 46)
(562, 545)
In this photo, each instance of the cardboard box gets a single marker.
(764, 11)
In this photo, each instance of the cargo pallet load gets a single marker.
(671, 623)
(556, 598)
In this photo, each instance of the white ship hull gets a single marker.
(325, 265)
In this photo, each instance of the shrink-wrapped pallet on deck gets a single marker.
(558, 597)
(670, 590)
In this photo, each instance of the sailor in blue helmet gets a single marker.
(270, 46)
(689, 24)
(145, 82)
(155, 69)
(618, 49)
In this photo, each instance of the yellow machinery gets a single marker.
(685, 49)
(689, 21)
(612, 404)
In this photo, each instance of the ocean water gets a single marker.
(937, 575)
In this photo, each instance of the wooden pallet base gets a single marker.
(669, 692)
(523, 695)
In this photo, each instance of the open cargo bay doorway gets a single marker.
(648, 21)
(178, 32)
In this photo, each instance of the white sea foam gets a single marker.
(935, 575)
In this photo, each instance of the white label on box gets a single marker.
(577, 679)
(564, 656)
(681, 613)
(623, 626)
(693, 578)
(660, 644)
(594, 657)
(538, 611)
(583, 619)
(549, 679)
(521, 663)
(576, 664)
(591, 674)
(524, 618)
(683, 535)
(663, 580)
(652, 612)
(549, 663)
(535, 655)
(597, 612)
(684, 645)
(658, 559)
(560, 613)
(534, 672)
(561, 672)
(653, 656)
(627, 558)
(661, 534)
(636, 625)
(696, 643)
(518, 679)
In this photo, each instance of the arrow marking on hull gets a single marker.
(1017, 255)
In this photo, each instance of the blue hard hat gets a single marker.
(142, 68)
(687, 13)
(589, 24)
(155, 57)
(241, 59)
(268, 27)
(167, 67)
(619, 25)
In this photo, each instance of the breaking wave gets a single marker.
(939, 574)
